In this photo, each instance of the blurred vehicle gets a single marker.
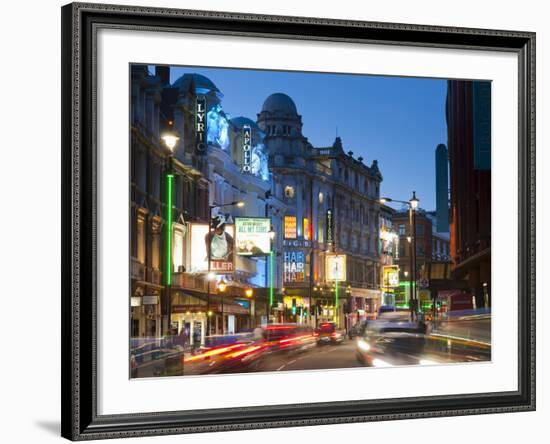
(357, 329)
(288, 337)
(244, 352)
(386, 309)
(393, 339)
(328, 333)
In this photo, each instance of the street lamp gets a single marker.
(412, 203)
(170, 139)
(236, 203)
(249, 293)
(272, 235)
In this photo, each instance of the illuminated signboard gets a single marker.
(335, 267)
(247, 149)
(200, 124)
(252, 236)
(390, 276)
(294, 265)
(290, 227)
(307, 229)
(330, 227)
(222, 260)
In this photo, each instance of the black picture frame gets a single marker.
(80, 420)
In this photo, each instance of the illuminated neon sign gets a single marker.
(247, 149)
(290, 227)
(200, 124)
(294, 265)
(330, 227)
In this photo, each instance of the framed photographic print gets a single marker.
(280, 221)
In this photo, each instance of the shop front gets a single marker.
(296, 307)
(364, 304)
(191, 322)
(145, 312)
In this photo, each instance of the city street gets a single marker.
(285, 347)
(316, 358)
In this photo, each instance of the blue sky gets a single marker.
(398, 121)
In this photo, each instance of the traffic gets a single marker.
(392, 339)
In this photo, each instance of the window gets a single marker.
(321, 230)
(178, 250)
(401, 229)
(307, 229)
(140, 239)
(289, 192)
(420, 229)
(155, 250)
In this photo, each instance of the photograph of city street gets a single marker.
(286, 220)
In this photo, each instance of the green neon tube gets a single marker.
(271, 278)
(168, 229)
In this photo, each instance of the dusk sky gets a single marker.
(398, 121)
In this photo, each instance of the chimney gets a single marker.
(164, 73)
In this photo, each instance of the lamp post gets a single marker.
(222, 286)
(209, 275)
(272, 256)
(249, 293)
(171, 141)
(412, 203)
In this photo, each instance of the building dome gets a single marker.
(202, 83)
(280, 103)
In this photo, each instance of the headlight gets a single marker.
(363, 345)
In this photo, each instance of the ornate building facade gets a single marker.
(332, 207)
(321, 201)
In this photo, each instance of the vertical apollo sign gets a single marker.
(247, 149)
(200, 124)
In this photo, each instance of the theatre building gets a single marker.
(332, 210)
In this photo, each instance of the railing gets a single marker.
(189, 281)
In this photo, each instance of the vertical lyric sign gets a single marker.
(200, 124)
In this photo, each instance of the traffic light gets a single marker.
(293, 307)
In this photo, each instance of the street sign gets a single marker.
(424, 283)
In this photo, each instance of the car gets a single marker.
(393, 339)
(288, 337)
(328, 333)
(386, 309)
